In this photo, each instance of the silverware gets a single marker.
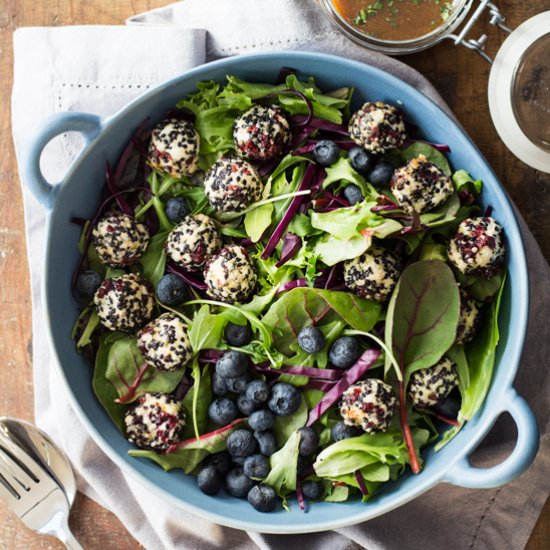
(36, 480)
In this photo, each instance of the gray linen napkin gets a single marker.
(56, 70)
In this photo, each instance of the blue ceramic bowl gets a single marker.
(78, 194)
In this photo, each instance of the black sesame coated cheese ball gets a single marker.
(119, 239)
(193, 242)
(230, 276)
(374, 274)
(427, 387)
(469, 319)
(261, 133)
(154, 421)
(477, 247)
(377, 127)
(164, 343)
(369, 405)
(420, 185)
(232, 184)
(174, 148)
(125, 303)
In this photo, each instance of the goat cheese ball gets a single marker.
(154, 421)
(124, 303)
(377, 127)
(261, 133)
(232, 184)
(369, 405)
(164, 343)
(427, 387)
(420, 185)
(477, 247)
(230, 276)
(174, 148)
(469, 319)
(374, 274)
(193, 242)
(119, 239)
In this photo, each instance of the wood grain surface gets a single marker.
(460, 76)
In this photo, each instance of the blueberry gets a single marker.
(302, 465)
(176, 209)
(261, 420)
(353, 193)
(232, 364)
(326, 152)
(312, 490)
(344, 352)
(241, 443)
(219, 387)
(210, 480)
(239, 460)
(238, 384)
(223, 411)
(221, 461)
(172, 290)
(285, 399)
(267, 442)
(263, 498)
(311, 339)
(340, 431)
(381, 174)
(360, 160)
(87, 283)
(309, 441)
(256, 466)
(237, 484)
(246, 406)
(237, 335)
(449, 406)
(257, 391)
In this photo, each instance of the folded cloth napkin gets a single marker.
(57, 70)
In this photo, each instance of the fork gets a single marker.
(34, 496)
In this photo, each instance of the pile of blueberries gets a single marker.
(378, 173)
(242, 468)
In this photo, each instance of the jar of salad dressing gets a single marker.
(519, 82)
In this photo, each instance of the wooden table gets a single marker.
(460, 76)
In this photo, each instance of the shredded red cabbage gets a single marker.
(338, 200)
(488, 212)
(292, 91)
(182, 388)
(361, 483)
(312, 372)
(291, 245)
(466, 197)
(291, 284)
(302, 135)
(442, 147)
(323, 385)
(306, 182)
(111, 183)
(210, 355)
(190, 279)
(363, 364)
(300, 495)
(283, 73)
(320, 124)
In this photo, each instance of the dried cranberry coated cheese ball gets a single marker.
(427, 387)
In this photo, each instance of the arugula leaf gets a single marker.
(131, 377)
(197, 401)
(153, 260)
(431, 154)
(304, 306)
(257, 221)
(424, 316)
(103, 389)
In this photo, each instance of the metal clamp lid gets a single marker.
(519, 92)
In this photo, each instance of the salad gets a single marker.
(286, 296)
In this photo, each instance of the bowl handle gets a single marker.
(464, 474)
(31, 175)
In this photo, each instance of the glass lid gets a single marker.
(519, 92)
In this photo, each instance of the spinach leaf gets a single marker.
(188, 454)
(285, 426)
(483, 290)
(481, 353)
(131, 377)
(91, 324)
(103, 389)
(257, 221)
(431, 154)
(424, 315)
(305, 306)
(153, 260)
(463, 180)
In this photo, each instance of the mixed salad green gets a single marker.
(313, 336)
